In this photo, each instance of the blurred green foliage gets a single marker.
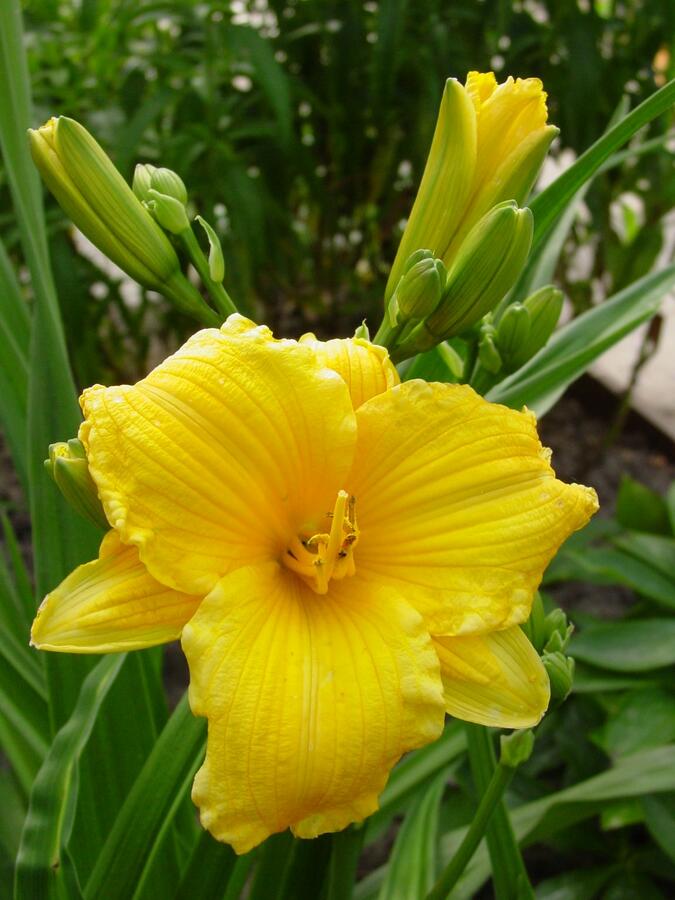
(301, 128)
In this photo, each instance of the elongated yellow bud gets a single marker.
(101, 204)
(488, 146)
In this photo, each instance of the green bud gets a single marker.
(167, 182)
(544, 307)
(512, 332)
(142, 181)
(216, 258)
(516, 748)
(67, 464)
(420, 288)
(560, 670)
(169, 212)
(101, 204)
(416, 257)
(362, 331)
(488, 354)
(557, 631)
(486, 267)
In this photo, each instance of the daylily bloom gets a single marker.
(347, 559)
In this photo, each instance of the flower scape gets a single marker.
(345, 559)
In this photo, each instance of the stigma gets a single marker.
(319, 557)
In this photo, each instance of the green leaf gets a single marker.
(580, 884)
(645, 718)
(651, 771)
(208, 870)
(600, 565)
(640, 509)
(547, 206)
(151, 805)
(628, 646)
(44, 868)
(659, 812)
(14, 336)
(412, 867)
(572, 349)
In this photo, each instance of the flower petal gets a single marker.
(365, 367)
(458, 505)
(221, 453)
(310, 701)
(109, 605)
(493, 679)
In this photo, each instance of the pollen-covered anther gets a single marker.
(327, 555)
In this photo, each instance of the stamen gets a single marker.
(323, 556)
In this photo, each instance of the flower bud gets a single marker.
(169, 212)
(165, 181)
(101, 204)
(67, 464)
(485, 269)
(488, 354)
(488, 146)
(216, 258)
(419, 290)
(512, 332)
(516, 748)
(557, 631)
(544, 307)
(142, 181)
(560, 669)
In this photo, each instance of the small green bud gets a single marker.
(416, 257)
(420, 289)
(486, 267)
(67, 464)
(488, 354)
(512, 332)
(169, 212)
(167, 182)
(557, 631)
(362, 331)
(544, 307)
(216, 258)
(560, 670)
(141, 183)
(516, 748)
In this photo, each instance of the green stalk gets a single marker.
(221, 298)
(509, 875)
(387, 335)
(491, 798)
(344, 859)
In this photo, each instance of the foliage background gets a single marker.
(301, 129)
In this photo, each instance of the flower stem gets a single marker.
(386, 334)
(220, 297)
(344, 859)
(509, 875)
(491, 797)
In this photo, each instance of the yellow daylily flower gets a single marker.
(347, 559)
(489, 144)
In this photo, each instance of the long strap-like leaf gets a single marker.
(141, 826)
(44, 868)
